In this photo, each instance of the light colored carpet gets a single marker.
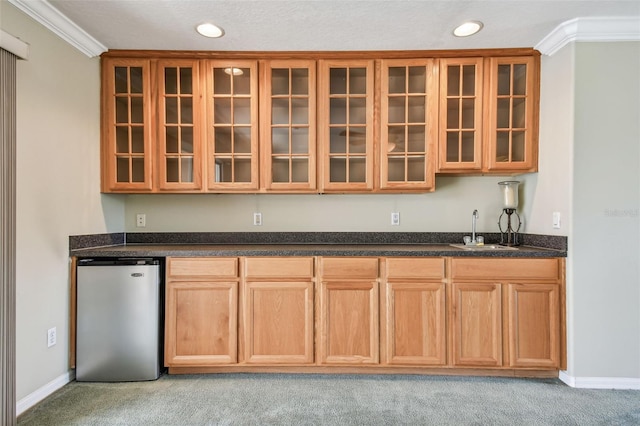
(288, 399)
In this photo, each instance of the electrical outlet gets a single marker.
(257, 219)
(51, 337)
(395, 219)
(141, 220)
(556, 220)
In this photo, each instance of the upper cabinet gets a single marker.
(489, 115)
(296, 122)
(232, 125)
(179, 148)
(408, 124)
(126, 125)
(513, 105)
(288, 137)
(346, 125)
(461, 114)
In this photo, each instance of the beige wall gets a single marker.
(57, 190)
(606, 218)
(449, 208)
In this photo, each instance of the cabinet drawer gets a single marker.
(505, 268)
(349, 267)
(288, 267)
(397, 267)
(215, 267)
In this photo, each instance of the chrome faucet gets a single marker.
(474, 240)
(474, 218)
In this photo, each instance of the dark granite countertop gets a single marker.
(303, 244)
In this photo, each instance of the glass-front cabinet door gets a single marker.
(126, 125)
(346, 124)
(408, 124)
(232, 125)
(513, 114)
(460, 139)
(288, 119)
(179, 159)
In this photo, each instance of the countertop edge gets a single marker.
(382, 250)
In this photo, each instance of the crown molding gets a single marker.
(592, 30)
(44, 13)
(14, 45)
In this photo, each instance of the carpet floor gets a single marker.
(318, 399)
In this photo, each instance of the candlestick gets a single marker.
(509, 231)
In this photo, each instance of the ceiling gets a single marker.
(312, 25)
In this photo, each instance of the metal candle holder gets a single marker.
(509, 236)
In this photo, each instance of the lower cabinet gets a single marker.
(348, 317)
(277, 310)
(506, 312)
(476, 318)
(201, 315)
(387, 312)
(413, 312)
(534, 325)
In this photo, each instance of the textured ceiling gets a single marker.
(328, 25)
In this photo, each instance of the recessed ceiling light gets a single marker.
(210, 30)
(467, 29)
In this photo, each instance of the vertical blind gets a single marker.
(7, 238)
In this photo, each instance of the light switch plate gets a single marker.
(556, 220)
(51, 337)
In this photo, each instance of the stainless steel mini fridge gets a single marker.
(118, 320)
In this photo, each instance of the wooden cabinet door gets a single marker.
(180, 133)
(534, 325)
(345, 117)
(414, 331)
(348, 319)
(512, 114)
(201, 323)
(278, 310)
(232, 125)
(476, 317)
(348, 322)
(278, 325)
(288, 125)
(408, 138)
(127, 125)
(461, 119)
(413, 312)
(201, 311)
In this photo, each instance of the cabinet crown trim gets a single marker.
(356, 54)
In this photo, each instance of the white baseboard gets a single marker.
(34, 397)
(600, 382)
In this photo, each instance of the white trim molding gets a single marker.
(600, 382)
(40, 394)
(47, 15)
(591, 30)
(14, 45)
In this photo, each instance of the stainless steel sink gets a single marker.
(485, 247)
